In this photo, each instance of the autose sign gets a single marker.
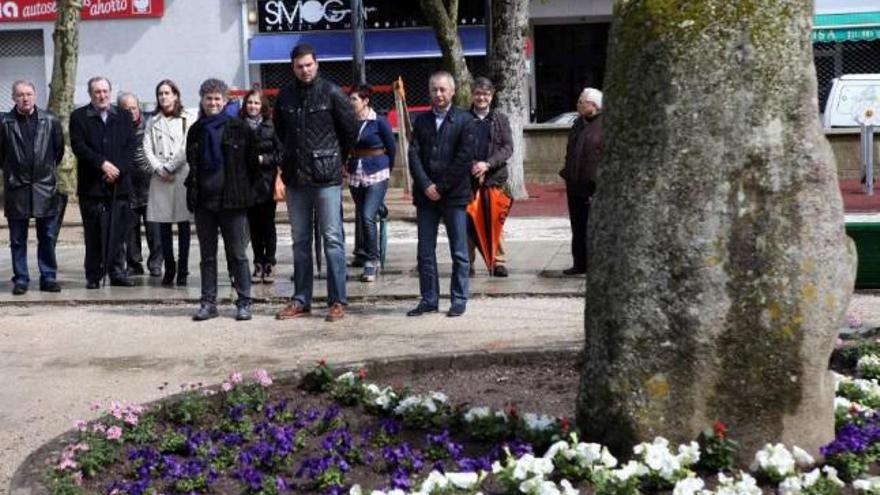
(46, 10)
(325, 15)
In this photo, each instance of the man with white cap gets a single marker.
(582, 156)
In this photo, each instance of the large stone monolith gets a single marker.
(719, 268)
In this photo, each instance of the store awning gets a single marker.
(378, 44)
(856, 26)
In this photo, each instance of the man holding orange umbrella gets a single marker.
(494, 145)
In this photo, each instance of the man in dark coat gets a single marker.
(440, 158)
(493, 146)
(140, 190)
(582, 157)
(103, 140)
(317, 126)
(224, 173)
(31, 147)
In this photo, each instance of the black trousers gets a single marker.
(183, 241)
(264, 239)
(133, 252)
(104, 233)
(233, 226)
(578, 214)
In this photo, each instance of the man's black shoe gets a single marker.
(122, 282)
(19, 289)
(574, 271)
(421, 309)
(50, 286)
(155, 272)
(243, 312)
(136, 269)
(456, 310)
(500, 271)
(205, 312)
(93, 284)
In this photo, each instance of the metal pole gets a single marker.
(868, 153)
(357, 34)
(245, 32)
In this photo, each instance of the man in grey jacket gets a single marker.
(31, 147)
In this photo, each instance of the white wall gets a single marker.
(841, 6)
(194, 40)
(569, 11)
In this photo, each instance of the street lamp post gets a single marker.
(357, 31)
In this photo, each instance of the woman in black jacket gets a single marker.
(222, 155)
(256, 113)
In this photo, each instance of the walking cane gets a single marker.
(107, 241)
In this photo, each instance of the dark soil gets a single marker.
(542, 385)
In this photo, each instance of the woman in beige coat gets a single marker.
(165, 150)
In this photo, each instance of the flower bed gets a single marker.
(344, 434)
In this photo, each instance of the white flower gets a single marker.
(435, 480)
(810, 479)
(870, 485)
(629, 470)
(439, 397)
(774, 460)
(688, 486)
(475, 413)
(463, 481)
(689, 454)
(745, 485)
(831, 475)
(658, 458)
(567, 489)
(529, 465)
(537, 485)
(868, 361)
(538, 423)
(347, 377)
(802, 458)
(791, 486)
(355, 490)
(382, 398)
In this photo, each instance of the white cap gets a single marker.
(593, 95)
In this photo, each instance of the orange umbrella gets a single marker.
(486, 215)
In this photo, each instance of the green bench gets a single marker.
(865, 231)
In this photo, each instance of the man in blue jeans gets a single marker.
(440, 159)
(31, 147)
(316, 123)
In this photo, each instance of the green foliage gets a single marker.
(187, 409)
(173, 442)
(319, 379)
(604, 483)
(348, 388)
(849, 465)
(332, 477)
(189, 485)
(142, 433)
(251, 396)
(101, 453)
(823, 486)
(717, 450)
(63, 483)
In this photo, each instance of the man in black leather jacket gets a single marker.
(31, 147)
(317, 126)
(440, 158)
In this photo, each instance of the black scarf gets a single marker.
(213, 149)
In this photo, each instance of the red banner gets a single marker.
(45, 10)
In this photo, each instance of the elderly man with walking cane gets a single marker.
(103, 139)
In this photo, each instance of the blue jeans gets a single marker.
(367, 201)
(18, 234)
(303, 204)
(428, 220)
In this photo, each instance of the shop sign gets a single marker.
(276, 16)
(846, 34)
(46, 10)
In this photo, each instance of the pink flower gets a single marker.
(81, 446)
(114, 433)
(78, 478)
(66, 463)
(131, 419)
(80, 425)
(99, 428)
(116, 410)
(95, 406)
(262, 377)
(226, 386)
(235, 377)
(853, 321)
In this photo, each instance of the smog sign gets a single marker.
(326, 15)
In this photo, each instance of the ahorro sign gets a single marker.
(46, 10)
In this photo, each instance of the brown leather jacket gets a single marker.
(582, 156)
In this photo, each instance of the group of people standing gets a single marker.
(226, 170)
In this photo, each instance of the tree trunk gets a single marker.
(507, 62)
(444, 20)
(719, 268)
(66, 40)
